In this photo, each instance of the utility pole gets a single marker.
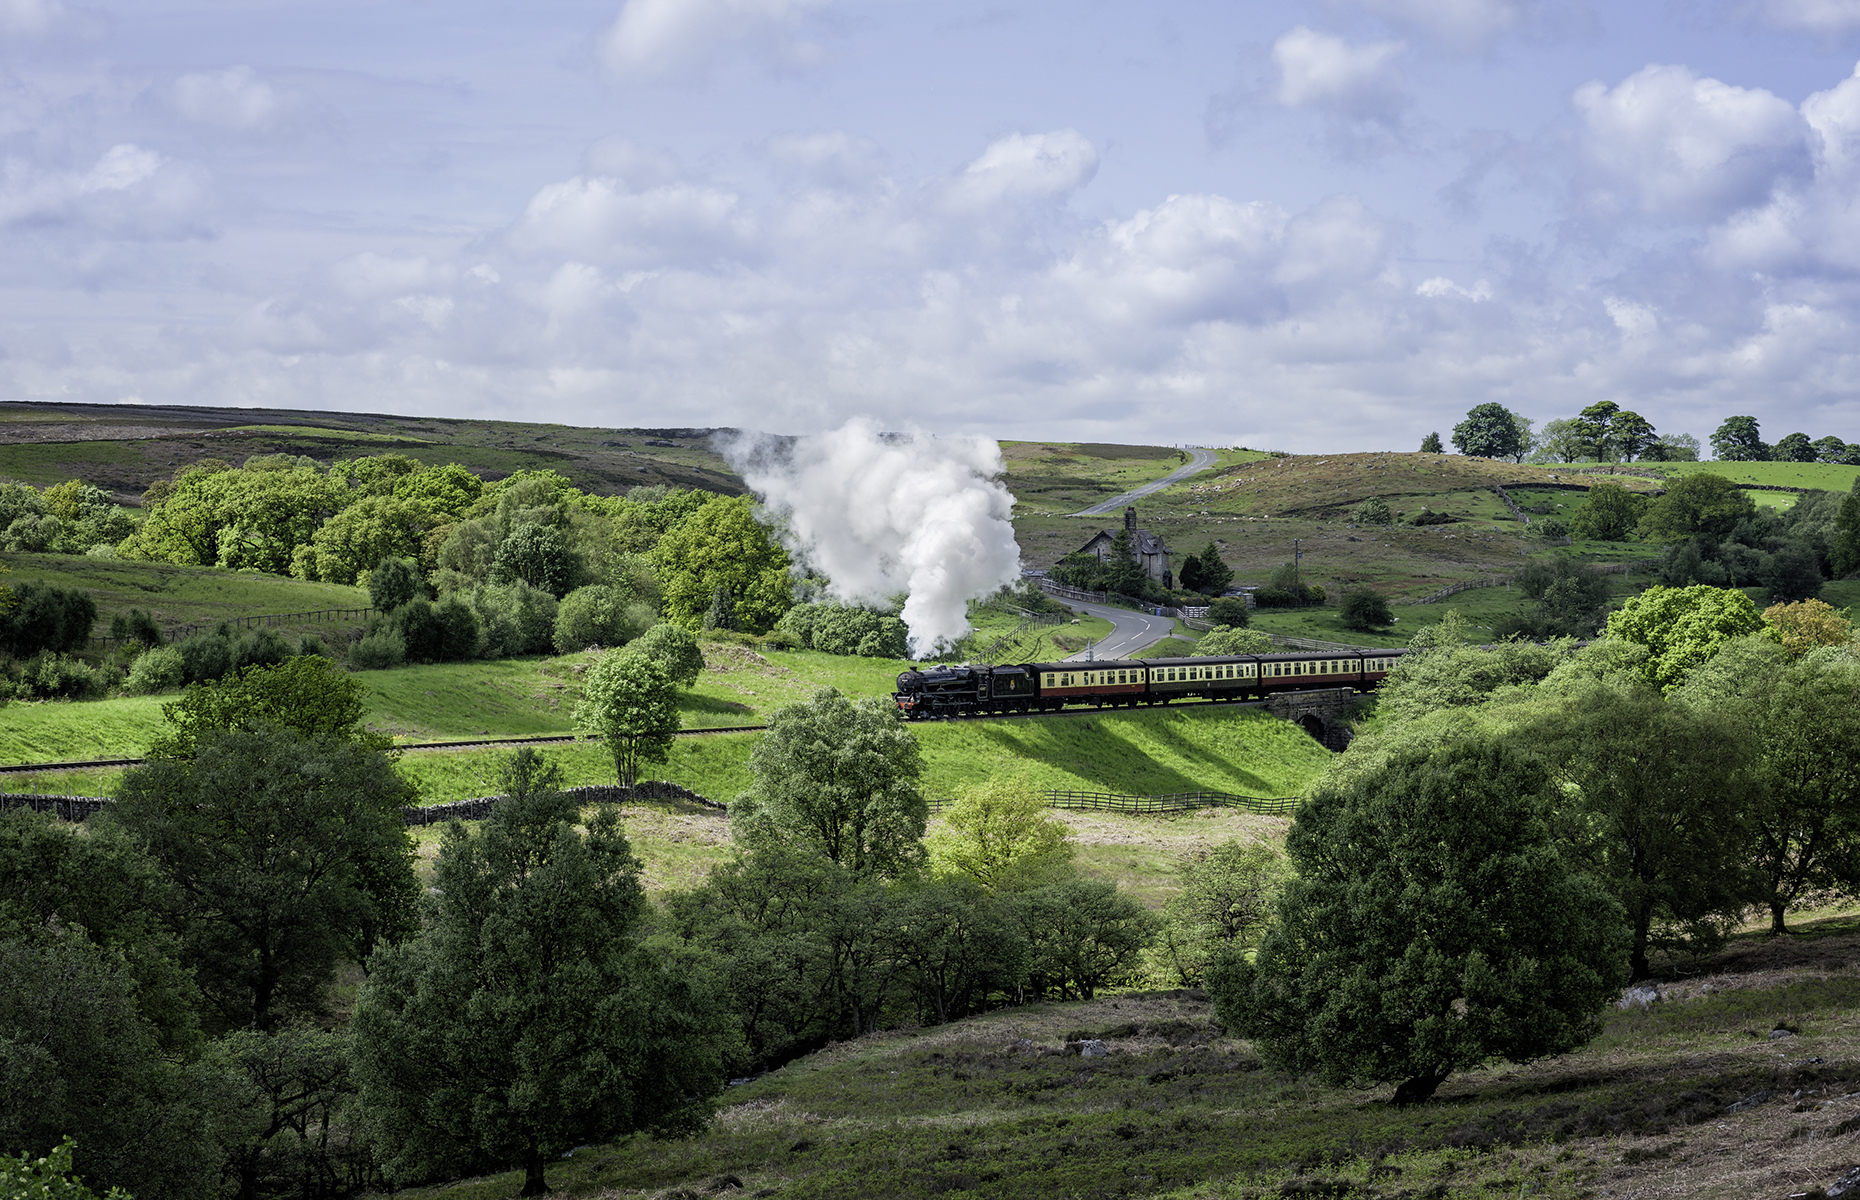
(1297, 556)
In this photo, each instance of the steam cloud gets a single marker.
(879, 514)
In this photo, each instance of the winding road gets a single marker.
(1131, 631)
(1201, 460)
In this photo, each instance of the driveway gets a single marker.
(1132, 632)
(1200, 460)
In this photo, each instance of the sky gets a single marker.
(1323, 226)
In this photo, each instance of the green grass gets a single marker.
(1832, 477)
(990, 1107)
(183, 595)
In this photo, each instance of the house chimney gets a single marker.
(1130, 520)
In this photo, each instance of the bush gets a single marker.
(422, 637)
(206, 656)
(1365, 608)
(598, 615)
(1231, 611)
(1374, 511)
(47, 618)
(538, 556)
(515, 619)
(260, 647)
(136, 625)
(1430, 517)
(315, 646)
(1222, 641)
(841, 629)
(674, 649)
(51, 676)
(159, 670)
(379, 650)
(393, 582)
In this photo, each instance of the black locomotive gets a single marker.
(973, 690)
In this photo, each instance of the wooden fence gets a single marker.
(316, 616)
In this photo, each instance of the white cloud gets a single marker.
(1442, 288)
(1026, 166)
(28, 17)
(1667, 143)
(653, 39)
(129, 192)
(235, 98)
(1322, 71)
(1461, 22)
(1817, 16)
(599, 219)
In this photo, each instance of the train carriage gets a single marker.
(1294, 672)
(1111, 681)
(1214, 678)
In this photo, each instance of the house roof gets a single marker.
(1145, 542)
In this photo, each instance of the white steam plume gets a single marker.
(881, 513)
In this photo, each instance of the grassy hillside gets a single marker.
(183, 595)
(1831, 477)
(990, 1107)
(123, 448)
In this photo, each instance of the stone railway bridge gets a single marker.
(1322, 712)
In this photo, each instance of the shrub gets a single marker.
(422, 636)
(460, 635)
(538, 555)
(315, 646)
(515, 618)
(52, 676)
(1230, 611)
(1429, 517)
(260, 647)
(136, 625)
(206, 656)
(379, 650)
(1374, 511)
(674, 649)
(47, 618)
(393, 582)
(1365, 608)
(841, 629)
(159, 670)
(597, 615)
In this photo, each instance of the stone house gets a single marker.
(1152, 555)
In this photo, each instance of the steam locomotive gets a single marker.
(973, 690)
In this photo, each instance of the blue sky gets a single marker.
(1310, 226)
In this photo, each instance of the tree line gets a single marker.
(178, 1001)
(1606, 432)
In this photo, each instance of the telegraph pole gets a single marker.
(1297, 556)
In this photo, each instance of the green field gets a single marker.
(1830, 477)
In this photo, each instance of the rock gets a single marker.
(1639, 997)
(1777, 1035)
(1749, 1102)
(1024, 1045)
(1092, 1048)
(1847, 1183)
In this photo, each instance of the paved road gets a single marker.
(1132, 630)
(1202, 460)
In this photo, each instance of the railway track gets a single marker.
(563, 739)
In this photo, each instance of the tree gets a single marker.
(1844, 555)
(1829, 450)
(78, 1061)
(1801, 715)
(955, 942)
(1189, 577)
(629, 702)
(1795, 447)
(1365, 608)
(1000, 834)
(1739, 440)
(393, 582)
(308, 695)
(1230, 611)
(359, 537)
(1490, 431)
(722, 611)
(48, 1178)
(45, 617)
(1631, 434)
(1433, 926)
(598, 615)
(674, 649)
(1611, 514)
(137, 625)
(1683, 627)
(1215, 574)
(1654, 798)
(1373, 511)
(1224, 641)
(1227, 897)
(539, 556)
(1700, 506)
(1802, 626)
(723, 545)
(287, 853)
(1593, 428)
(1563, 440)
(1431, 444)
(841, 776)
(527, 1019)
(1123, 574)
(1082, 934)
